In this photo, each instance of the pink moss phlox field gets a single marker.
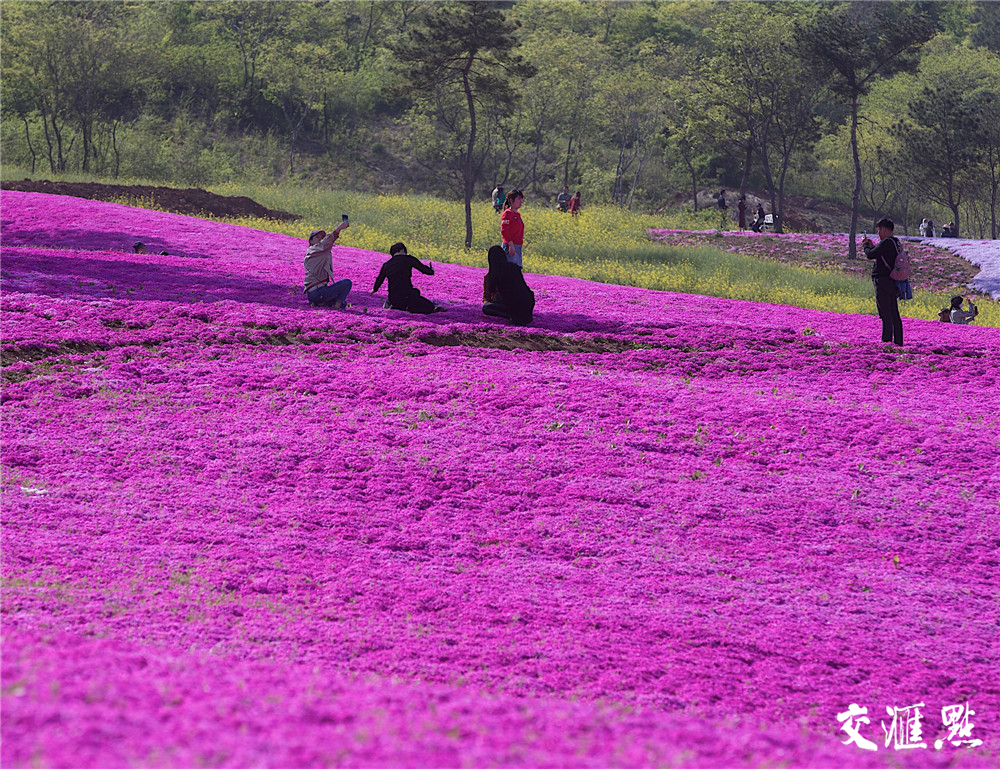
(651, 530)
(934, 267)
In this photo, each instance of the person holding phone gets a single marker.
(959, 316)
(320, 288)
(883, 257)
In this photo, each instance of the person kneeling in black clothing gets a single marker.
(505, 294)
(883, 258)
(398, 270)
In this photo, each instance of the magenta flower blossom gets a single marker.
(651, 530)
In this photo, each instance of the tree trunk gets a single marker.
(470, 148)
(27, 137)
(48, 141)
(114, 146)
(746, 168)
(59, 146)
(635, 177)
(569, 152)
(85, 133)
(852, 246)
(694, 181)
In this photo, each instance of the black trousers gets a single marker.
(887, 304)
(412, 301)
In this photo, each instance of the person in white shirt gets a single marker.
(960, 316)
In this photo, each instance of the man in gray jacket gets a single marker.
(320, 288)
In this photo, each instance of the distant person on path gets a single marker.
(398, 270)
(512, 227)
(575, 204)
(948, 231)
(960, 316)
(930, 229)
(723, 207)
(505, 294)
(498, 198)
(758, 220)
(562, 200)
(741, 213)
(883, 258)
(923, 229)
(319, 270)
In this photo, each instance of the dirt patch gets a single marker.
(519, 340)
(190, 201)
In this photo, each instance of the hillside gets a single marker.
(651, 529)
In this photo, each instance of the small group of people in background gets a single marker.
(505, 292)
(566, 202)
(759, 223)
(927, 230)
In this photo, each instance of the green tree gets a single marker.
(72, 67)
(252, 27)
(986, 30)
(853, 44)
(629, 105)
(946, 137)
(687, 131)
(764, 91)
(464, 49)
(555, 108)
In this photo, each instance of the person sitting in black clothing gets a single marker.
(505, 294)
(398, 270)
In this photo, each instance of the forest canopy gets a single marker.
(630, 102)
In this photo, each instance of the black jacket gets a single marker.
(398, 270)
(883, 254)
(505, 283)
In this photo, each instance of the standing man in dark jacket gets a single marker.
(883, 258)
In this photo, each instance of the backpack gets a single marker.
(904, 267)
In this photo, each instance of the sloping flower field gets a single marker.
(651, 530)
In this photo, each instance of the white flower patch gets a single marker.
(985, 254)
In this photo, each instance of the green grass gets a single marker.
(603, 244)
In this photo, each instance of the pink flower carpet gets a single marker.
(650, 530)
